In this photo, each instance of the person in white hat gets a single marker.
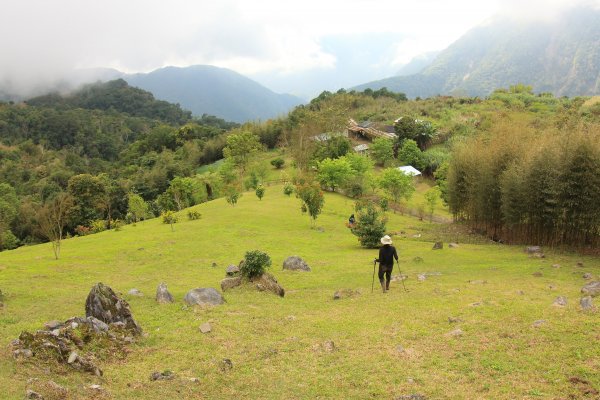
(387, 254)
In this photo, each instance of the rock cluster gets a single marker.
(102, 303)
(76, 342)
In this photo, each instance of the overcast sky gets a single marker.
(42, 39)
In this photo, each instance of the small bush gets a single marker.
(98, 226)
(117, 224)
(255, 263)
(369, 226)
(193, 215)
(278, 162)
(8, 240)
(288, 189)
(260, 192)
(81, 230)
(169, 217)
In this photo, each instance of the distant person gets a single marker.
(387, 254)
(351, 221)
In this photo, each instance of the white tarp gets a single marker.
(410, 170)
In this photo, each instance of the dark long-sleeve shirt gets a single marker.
(387, 253)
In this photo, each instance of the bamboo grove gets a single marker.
(519, 184)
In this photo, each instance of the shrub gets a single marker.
(193, 215)
(255, 263)
(117, 224)
(8, 240)
(278, 162)
(81, 230)
(288, 189)
(370, 224)
(169, 217)
(98, 225)
(260, 192)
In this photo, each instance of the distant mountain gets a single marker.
(418, 63)
(115, 95)
(205, 89)
(560, 56)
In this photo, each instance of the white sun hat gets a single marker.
(386, 240)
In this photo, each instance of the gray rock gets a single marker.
(533, 249)
(162, 376)
(560, 301)
(591, 289)
(203, 297)
(478, 282)
(453, 245)
(456, 332)
(399, 278)
(421, 277)
(267, 282)
(587, 276)
(345, 294)
(586, 303)
(414, 396)
(328, 346)
(30, 394)
(539, 323)
(102, 303)
(232, 270)
(205, 328)
(226, 365)
(295, 263)
(438, 246)
(72, 358)
(230, 283)
(135, 292)
(54, 324)
(163, 296)
(454, 320)
(537, 274)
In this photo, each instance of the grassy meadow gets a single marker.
(386, 345)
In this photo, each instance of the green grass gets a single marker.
(273, 342)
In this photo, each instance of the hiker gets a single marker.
(387, 254)
(351, 221)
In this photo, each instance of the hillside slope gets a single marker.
(276, 344)
(205, 89)
(561, 56)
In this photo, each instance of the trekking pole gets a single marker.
(373, 281)
(401, 277)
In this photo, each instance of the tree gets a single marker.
(52, 218)
(369, 225)
(9, 207)
(240, 148)
(418, 130)
(182, 192)
(396, 184)
(431, 199)
(137, 207)
(278, 162)
(232, 195)
(312, 198)
(260, 192)
(382, 151)
(334, 172)
(89, 196)
(410, 154)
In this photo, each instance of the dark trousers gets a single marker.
(387, 271)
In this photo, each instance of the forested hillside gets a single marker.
(517, 167)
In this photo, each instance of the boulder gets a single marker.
(135, 292)
(102, 303)
(591, 289)
(230, 283)
(438, 246)
(295, 263)
(455, 333)
(539, 323)
(162, 376)
(421, 277)
(232, 270)
(587, 276)
(345, 294)
(162, 294)
(560, 301)
(267, 282)
(205, 327)
(453, 245)
(586, 303)
(533, 249)
(203, 297)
